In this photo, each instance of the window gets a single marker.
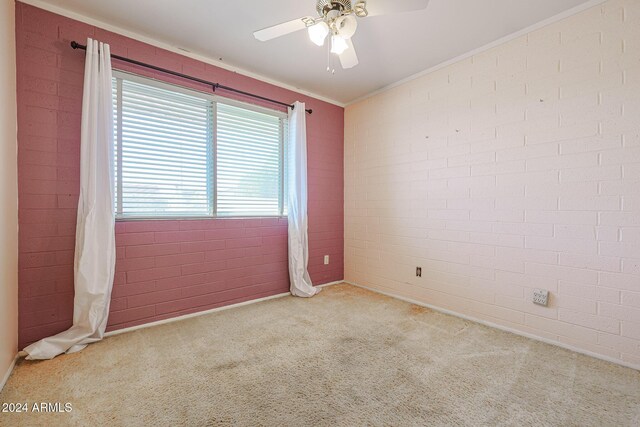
(249, 161)
(181, 153)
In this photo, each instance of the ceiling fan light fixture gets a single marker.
(338, 44)
(339, 19)
(318, 33)
(346, 26)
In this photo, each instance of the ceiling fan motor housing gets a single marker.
(325, 6)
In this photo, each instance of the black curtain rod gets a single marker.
(214, 86)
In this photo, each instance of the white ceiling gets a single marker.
(390, 48)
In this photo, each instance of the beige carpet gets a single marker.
(347, 357)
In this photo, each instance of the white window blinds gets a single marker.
(250, 153)
(181, 153)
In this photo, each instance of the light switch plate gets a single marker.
(326, 260)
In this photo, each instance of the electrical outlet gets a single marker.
(418, 271)
(541, 297)
(326, 260)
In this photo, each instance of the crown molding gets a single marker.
(163, 45)
(567, 13)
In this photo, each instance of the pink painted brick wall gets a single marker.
(164, 268)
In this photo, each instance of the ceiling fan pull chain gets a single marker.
(330, 68)
(328, 57)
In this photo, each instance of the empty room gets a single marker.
(320, 213)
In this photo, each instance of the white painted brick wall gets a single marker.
(514, 169)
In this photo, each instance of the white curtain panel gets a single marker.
(95, 253)
(301, 285)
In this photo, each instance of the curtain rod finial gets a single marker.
(309, 110)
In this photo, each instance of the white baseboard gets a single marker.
(192, 315)
(502, 328)
(9, 371)
(330, 284)
(202, 313)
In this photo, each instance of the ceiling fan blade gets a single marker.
(282, 29)
(386, 7)
(349, 58)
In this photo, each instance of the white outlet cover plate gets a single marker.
(541, 297)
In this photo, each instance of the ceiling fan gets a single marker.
(338, 18)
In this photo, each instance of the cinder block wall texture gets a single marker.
(517, 168)
(164, 268)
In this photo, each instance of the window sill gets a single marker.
(198, 218)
